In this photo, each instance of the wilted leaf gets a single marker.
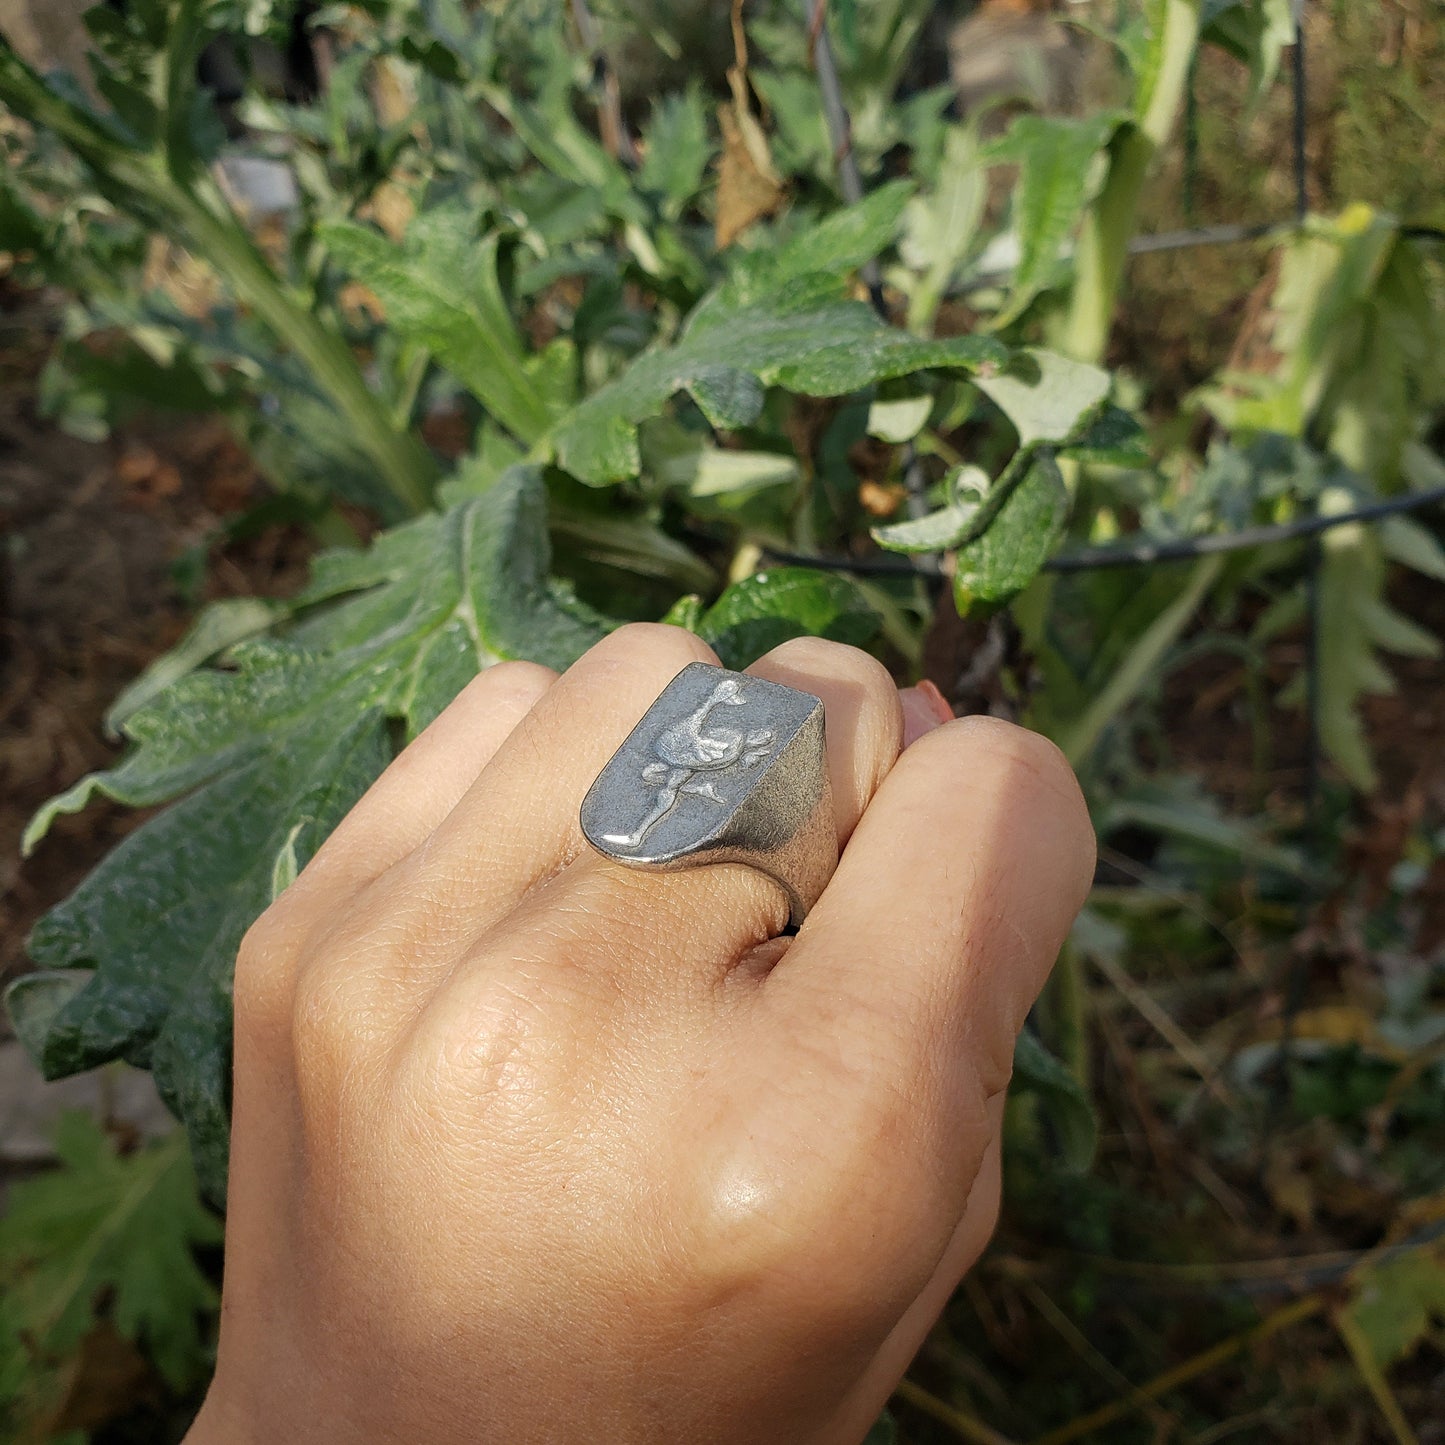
(1008, 556)
(749, 186)
(271, 754)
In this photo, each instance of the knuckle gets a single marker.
(265, 973)
(656, 638)
(839, 661)
(1026, 756)
(332, 1028)
(514, 677)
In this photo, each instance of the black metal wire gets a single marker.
(1147, 553)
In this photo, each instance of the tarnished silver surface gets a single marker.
(723, 768)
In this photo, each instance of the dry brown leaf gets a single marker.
(749, 186)
(880, 499)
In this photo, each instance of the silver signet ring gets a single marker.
(723, 768)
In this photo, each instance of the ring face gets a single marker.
(723, 767)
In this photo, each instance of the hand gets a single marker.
(529, 1147)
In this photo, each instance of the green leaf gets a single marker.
(756, 614)
(941, 227)
(1056, 176)
(1140, 662)
(1407, 542)
(835, 246)
(1114, 438)
(946, 528)
(220, 626)
(1066, 1105)
(1253, 31)
(102, 1225)
(1354, 622)
(898, 419)
(802, 338)
(1008, 556)
(441, 292)
(1049, 398)
(1396, 1301)
(678, 151)
(271, 754)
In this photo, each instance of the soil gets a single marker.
(100, 540)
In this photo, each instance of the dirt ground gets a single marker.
(101, 542)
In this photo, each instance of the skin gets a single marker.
(529, 1147)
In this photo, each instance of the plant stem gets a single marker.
(966, 1427)
(402, 461)
(1108, 228)
(1374, 1377)
(142, 182)
(1281, 1319)
(1140, 665)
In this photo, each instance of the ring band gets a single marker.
(697, 783)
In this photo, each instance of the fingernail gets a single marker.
(924, 708)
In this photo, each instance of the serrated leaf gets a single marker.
(220, 626)
(1067, 1107)
(801, 338)
(756, 614)
(678, 150)
(835, 246)
(1054, 156)
(440, 292)
(1407, 542)
(1007, 557)
(271, 755)
(1049, 398)
(102, 1224)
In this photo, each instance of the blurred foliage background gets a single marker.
(1040, 349)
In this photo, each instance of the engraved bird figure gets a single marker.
(686, 750)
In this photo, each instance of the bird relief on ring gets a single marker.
(692, 758)
(721, 760)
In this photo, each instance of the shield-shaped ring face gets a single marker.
(723, 767)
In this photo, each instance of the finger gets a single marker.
(518, 823)
(686, 930)
(427, 778)
(975, 855)
(924, 708)
(863, 716)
